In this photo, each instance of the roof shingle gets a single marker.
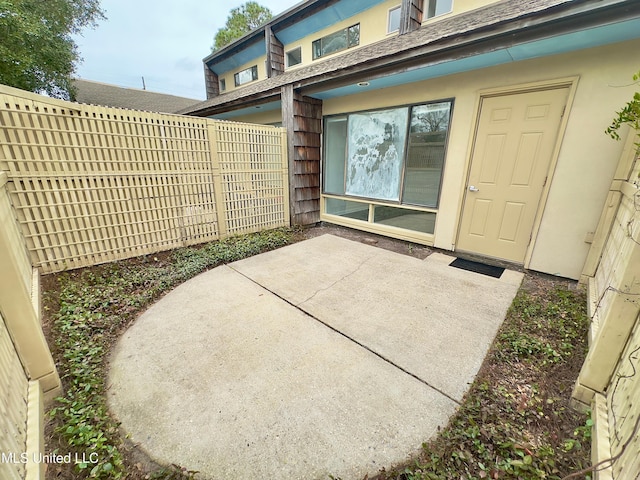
(96, 93)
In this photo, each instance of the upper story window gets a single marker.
(245, 76)
(336, 41)
(294, 57)
(223, 84)
(438, 7)
(393, 22)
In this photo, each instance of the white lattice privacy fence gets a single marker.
(26, 367)
(82, 185)
(610, 377)
(14, 389)
(93, 184)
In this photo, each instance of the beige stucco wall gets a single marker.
(587, 157)
(228, 77)
(373, 28)
(268, 117)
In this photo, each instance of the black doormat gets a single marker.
(481, 268)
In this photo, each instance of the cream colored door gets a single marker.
(515, 140)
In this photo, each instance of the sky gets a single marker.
(163, 41)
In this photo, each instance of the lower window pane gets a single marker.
(402, 218)
(422, 175)
(344, 208)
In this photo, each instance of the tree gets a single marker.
(241, 20)
(37, 52)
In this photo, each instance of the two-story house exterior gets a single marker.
(470, 125)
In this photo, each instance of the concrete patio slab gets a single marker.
(422, 315)
(327, 357)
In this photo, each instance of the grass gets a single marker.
(515, 422)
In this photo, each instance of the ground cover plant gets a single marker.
(85, 312)
(515, 422)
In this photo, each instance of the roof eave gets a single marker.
(487, 39)
(563, 18)
(273, 23)
(236, 104)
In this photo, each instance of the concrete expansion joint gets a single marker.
(351, 339)
(344, 277)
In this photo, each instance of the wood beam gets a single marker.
(411, 15)
(275, 53)
(211, 82)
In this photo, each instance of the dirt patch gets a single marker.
(399, 246)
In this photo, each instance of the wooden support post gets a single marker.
(601, 446)
(611, 271)
(216, 175)
(288, 124)
(285, 175)
(411, 13)
(302, 118)
(35, 447)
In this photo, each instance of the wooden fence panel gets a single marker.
(624, 411)
(254, 178)
(82, 185)
(614, 284)
(610, 376)
(26, 367)
(94, 184)
(13, 409)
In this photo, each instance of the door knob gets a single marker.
(473, 189)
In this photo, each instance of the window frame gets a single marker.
(393, 9)
(401, 201)
(286, 55)
(222, 84)
(254, 76)
(429, 8)
(346, 30)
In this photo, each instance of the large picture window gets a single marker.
(375, 153)
(395, 155)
